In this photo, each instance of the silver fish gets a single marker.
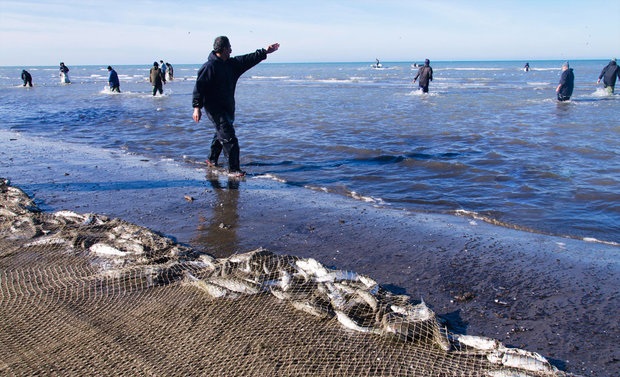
(350, 324)
(235, 285)
(212, 290)
(478, 342)
(521, 359)
(306, 306)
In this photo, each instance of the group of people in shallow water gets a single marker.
(162, 72)
(566, 85)
(564, 89)
(567, 80)
(157, 77)
(216, 81)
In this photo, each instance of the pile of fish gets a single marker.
(121, 250)
(356, 301)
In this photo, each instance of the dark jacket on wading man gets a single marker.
(215, 91)
(609, 74)
(425, 74)
(157, 79)
(567, 83)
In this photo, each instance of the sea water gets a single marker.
(489, 141)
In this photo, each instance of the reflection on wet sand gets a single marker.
(218, 233)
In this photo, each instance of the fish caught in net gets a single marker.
(84, 294)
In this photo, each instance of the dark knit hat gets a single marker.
(220, 44)
(427, 62)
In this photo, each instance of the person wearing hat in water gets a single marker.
(567, 83)
(157, 79)
(425, 74)
(609, 75)
(215, 91)
(115, 84)
(26, 77)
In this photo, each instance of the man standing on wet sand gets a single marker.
(215, 91)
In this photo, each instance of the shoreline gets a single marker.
(551, 295)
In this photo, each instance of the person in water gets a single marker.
(215, 91)
(157, 79)
(609, 75)
(169, 71)
(27, 78)
(526, 67)
(567, 83)
(425, 74)
(163, 68)
(115, 84)
(64, 73)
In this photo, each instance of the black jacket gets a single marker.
(113, 79)
(217, 80)
(567, 80)
(425, 73)
(609, 74)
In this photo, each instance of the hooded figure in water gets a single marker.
(567, 83)
(27, 78)
(609, 74)
(425, 74)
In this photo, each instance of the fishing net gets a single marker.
(84, 294)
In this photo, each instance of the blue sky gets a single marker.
(44, 32)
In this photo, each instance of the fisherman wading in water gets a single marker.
(215, 91)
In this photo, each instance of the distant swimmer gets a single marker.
(609, 75)
(567, 83)
(425, 74)
(157, 79)
(115, 84)
(526, 68)
(27, 78)
(64, 74)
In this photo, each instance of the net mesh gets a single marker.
(84, 294)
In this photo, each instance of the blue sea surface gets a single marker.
(489, 141)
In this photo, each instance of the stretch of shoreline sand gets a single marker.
(552, 295)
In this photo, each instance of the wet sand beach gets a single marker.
(551, 295)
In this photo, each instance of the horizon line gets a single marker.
(338, 62)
